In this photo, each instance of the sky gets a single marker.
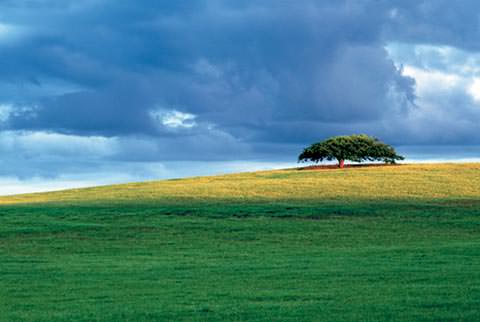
(105, 91)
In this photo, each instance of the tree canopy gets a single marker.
(357, 148)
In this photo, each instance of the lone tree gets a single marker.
(357, 148)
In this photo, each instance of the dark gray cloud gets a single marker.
(214, 80)
(242, 66)
(440, 22)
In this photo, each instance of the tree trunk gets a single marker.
(341, 163)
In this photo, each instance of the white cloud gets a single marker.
(474, 89)
(39, 143)
(432, 80)
(174, 119)
(447, 89)
(5, 112)
(435, 57)
(438, 69)
(8, 111)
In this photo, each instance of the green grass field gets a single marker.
(361, 244)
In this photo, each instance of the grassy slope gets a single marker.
(394, 243)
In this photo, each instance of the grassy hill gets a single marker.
(361, 244)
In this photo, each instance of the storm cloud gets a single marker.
(234, 80)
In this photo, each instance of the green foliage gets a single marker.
(357, 148)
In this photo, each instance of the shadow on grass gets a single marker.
(234, 209)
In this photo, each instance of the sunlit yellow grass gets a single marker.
(425, 181)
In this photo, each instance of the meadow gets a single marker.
(399, 243)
